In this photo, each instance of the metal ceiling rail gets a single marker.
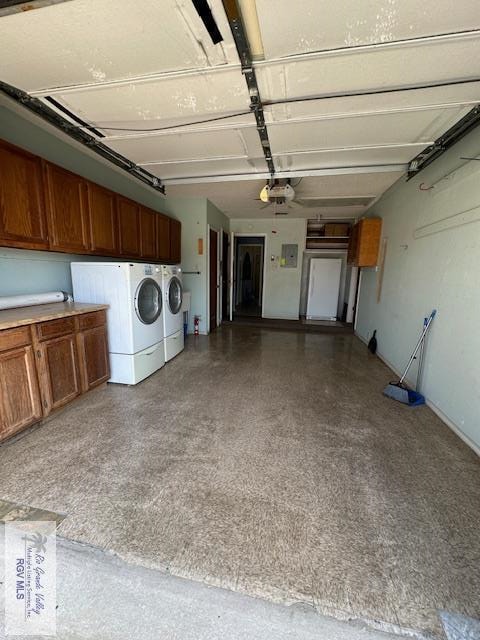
(469, 122)
(243, 49)
(74, 131)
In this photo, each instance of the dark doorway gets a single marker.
(213, 278)
(249, 261)
(225, 276)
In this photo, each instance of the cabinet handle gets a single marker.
(39, 353)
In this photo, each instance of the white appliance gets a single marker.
(134, 317)
(172, 310)
(323, 288)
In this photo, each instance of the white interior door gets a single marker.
(231, 274)
(323, 288)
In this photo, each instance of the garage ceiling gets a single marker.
(351, 92)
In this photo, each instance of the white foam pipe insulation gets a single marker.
(29, 300)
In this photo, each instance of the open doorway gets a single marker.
(248, 269)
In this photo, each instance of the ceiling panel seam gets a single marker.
(194, 160)
(365, 48)
(179, 129)
(474, 34)
(372, 92)
(383, 147)
(333, 171)
(144, 79)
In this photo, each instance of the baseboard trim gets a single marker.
(431, 405)
(468, 441)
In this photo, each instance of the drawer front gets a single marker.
(55, 328)
(92, 320)
(12, 338)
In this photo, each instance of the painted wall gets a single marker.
(432, 261)
(282, 286)
(23, 271)
(192, 213)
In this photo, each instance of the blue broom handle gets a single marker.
(417, 347)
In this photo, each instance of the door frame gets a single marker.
(219, 276)
(233, 256)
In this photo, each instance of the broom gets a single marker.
(398, 390)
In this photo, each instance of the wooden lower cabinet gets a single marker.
(47, 364)
(19, 394)
(58, 371)
(93, 353)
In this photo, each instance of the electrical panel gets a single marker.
(289, 256)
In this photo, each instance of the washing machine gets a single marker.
(133, 292)
(172, 310)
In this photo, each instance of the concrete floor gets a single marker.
(268, 463)
(101, 597)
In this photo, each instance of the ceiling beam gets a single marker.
(243, 49)
(334, 171)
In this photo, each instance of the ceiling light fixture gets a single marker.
(264, 193)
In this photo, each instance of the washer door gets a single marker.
(148, 301)
(175, 295)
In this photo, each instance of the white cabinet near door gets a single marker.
(323, 288)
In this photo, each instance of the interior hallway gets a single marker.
(269, 463)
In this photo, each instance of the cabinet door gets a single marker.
(369, 233)
(103, 220)
(58, 364)
(19, 396)
(175, 241)
(163, 238)
(93, 352)
(68, 223)
(22, 207)
(128, 213)
(148, 234)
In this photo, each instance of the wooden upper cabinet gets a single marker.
(148, 234)
(163, 238)
(365, 242)
(128, 213)
(43, 206)
(22, 206)
(103, 220)
(175, 241)
(67, 207)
